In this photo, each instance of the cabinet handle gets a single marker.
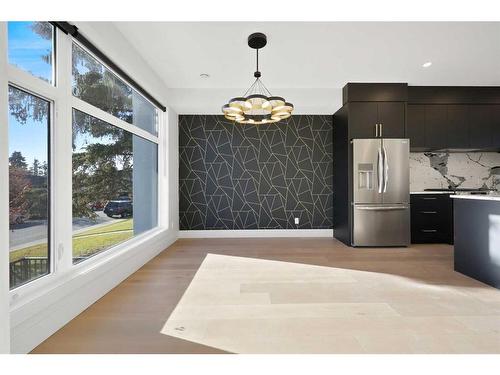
(376, 130)
(429, 198)
(429, 230)
(381, 129)
(428, 212)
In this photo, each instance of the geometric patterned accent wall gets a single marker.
(234, 176)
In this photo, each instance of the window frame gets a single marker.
(61, 99)
(50, 198)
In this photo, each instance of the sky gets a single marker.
(25, 49)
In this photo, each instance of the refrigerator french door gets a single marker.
(381, 193)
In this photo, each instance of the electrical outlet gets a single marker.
(297, 220)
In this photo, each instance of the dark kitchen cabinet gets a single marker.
(364, 117)
(480, 126)
(435, 126)
(495, 127)
(391, 117)
(438, 126)
(415, 126)
(457, 127)
(431, 218)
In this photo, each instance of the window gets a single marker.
(28, 186)
(97, 85)
(114, 185)
(31, 48)
(114, 171)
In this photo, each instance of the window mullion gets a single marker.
(30, 83)
(61, 160)
(89, 109)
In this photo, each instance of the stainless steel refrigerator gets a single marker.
(381, 192)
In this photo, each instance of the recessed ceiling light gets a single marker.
(427, 64)
(204, 75)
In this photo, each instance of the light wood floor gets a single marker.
(378, 301)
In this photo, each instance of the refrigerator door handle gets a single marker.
(381, 208)
(380, 170)
(386, 169)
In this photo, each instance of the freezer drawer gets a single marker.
(381, 225)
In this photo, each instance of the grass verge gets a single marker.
(85, 243)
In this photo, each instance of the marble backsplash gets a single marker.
(460, 170)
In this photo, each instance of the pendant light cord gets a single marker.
(257, 59)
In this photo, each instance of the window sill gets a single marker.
(32, 290)
(55, 300)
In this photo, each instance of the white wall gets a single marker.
(4, 200)
(173, 171)
(36, 316)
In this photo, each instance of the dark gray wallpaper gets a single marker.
(234, 176)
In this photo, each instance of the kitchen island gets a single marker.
(477, 237)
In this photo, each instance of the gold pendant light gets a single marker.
(257, 106)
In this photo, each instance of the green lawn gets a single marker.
(85, 243)
(127, 224)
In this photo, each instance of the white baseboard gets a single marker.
(256, 233)
(36, 320)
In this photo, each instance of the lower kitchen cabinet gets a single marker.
(431, 218)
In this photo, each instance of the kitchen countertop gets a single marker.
(485, 197)
(432, 192)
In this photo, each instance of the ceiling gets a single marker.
(309, 63)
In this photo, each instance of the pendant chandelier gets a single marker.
(257, 106)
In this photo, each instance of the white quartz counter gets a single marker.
(485, 197)
(432, 192)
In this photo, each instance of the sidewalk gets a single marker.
(78, 231)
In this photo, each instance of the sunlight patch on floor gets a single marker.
(247, 305)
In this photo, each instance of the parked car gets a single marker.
(119, 207)
(16, 218)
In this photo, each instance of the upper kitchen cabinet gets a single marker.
(415, 126)
(457, 126)
(426, 126)
(453, 118)
(480, 119)
(435, 126)
(376, 109)
(495, 127)
(484, 126)
(363, 120)
(391, 117)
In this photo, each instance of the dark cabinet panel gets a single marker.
(391, 116)
(457, 128)
(480, 126)
(375, 92)
(495, 126)
(415, 126)
(438, 126)
(431, 218)
(363, 117)
(435, 126)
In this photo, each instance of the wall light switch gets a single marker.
(296, 220)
